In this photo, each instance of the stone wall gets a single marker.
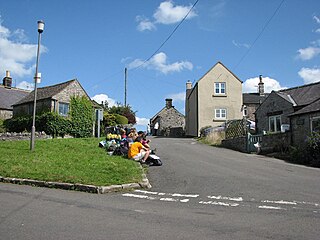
(22, 136)
(238, 143)
(278, 142)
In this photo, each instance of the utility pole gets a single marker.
(125, 87)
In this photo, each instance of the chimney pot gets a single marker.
(7, 80)
(261, 86)
(189, 85)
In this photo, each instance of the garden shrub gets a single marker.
(82, 117)
(122, 120)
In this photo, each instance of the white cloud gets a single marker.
(16, 56)
(316, 19)
(251, 85)
(308, 53)
(245, 45)
(141, 124)
(25, 85)
(145, 24)
(142, 121)
(167, 13)
(159, 62)
(178, 97)
(310, 75)
(103, 97)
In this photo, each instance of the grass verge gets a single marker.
(75, 160)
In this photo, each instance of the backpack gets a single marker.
(153, 160)
(122, 150)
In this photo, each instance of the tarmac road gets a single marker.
(200, 192)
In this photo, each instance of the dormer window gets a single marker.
(220, 88)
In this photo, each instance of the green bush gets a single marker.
(82, 117)
(79, 124)
(2, 127)
(18, 124)
(314, 148)
(122, 120)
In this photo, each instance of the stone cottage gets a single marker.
(55, 98)
(251, 101)
(170, 121)
(294, 109)
(8, 96)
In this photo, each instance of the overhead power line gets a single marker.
(171, 34)
(260, 34)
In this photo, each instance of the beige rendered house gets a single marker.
(214, 99)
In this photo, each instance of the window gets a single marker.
(221, 113)
(275, 123)
(63, 109)
(244, 111)
(315, 124)
(220, 88)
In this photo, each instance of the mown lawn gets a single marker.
(71, 160)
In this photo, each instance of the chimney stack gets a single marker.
(189, 85)
(168, 103)
(261, 86)
(7, 80)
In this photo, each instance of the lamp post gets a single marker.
(36, 79)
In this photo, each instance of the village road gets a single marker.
(200, 192)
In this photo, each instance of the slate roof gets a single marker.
(302, 95)
(45, 92)
(253, 98)
(313, 107)
(9, 96)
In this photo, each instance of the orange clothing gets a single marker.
(134, 149)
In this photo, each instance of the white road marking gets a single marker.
(138, 196)
(220, 203)
(185, 195)
(271, 207)
(279, 202)
(237, 199)
(223, 201)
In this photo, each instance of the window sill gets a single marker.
(219, 95)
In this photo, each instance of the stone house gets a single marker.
(8, 96)
(305, 121)
(215, 98)
(55, 98)
(295, 109)
(170, 121)
(251, 101)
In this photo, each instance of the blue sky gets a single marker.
(94, 41)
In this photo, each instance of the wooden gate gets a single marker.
(253, 139)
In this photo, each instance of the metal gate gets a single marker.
(253, 139)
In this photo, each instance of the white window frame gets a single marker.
(245, 111)
(220, 114)
(312, 120)
(274, 118)
(63, 109)
(220, 88)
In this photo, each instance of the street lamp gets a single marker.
(36, 80)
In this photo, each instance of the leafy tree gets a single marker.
(124, 111)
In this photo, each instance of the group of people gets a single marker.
(139, 148)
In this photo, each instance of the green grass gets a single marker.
(66, 160)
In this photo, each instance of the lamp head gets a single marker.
(40, 26)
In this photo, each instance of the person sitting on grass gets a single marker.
(138, 152)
